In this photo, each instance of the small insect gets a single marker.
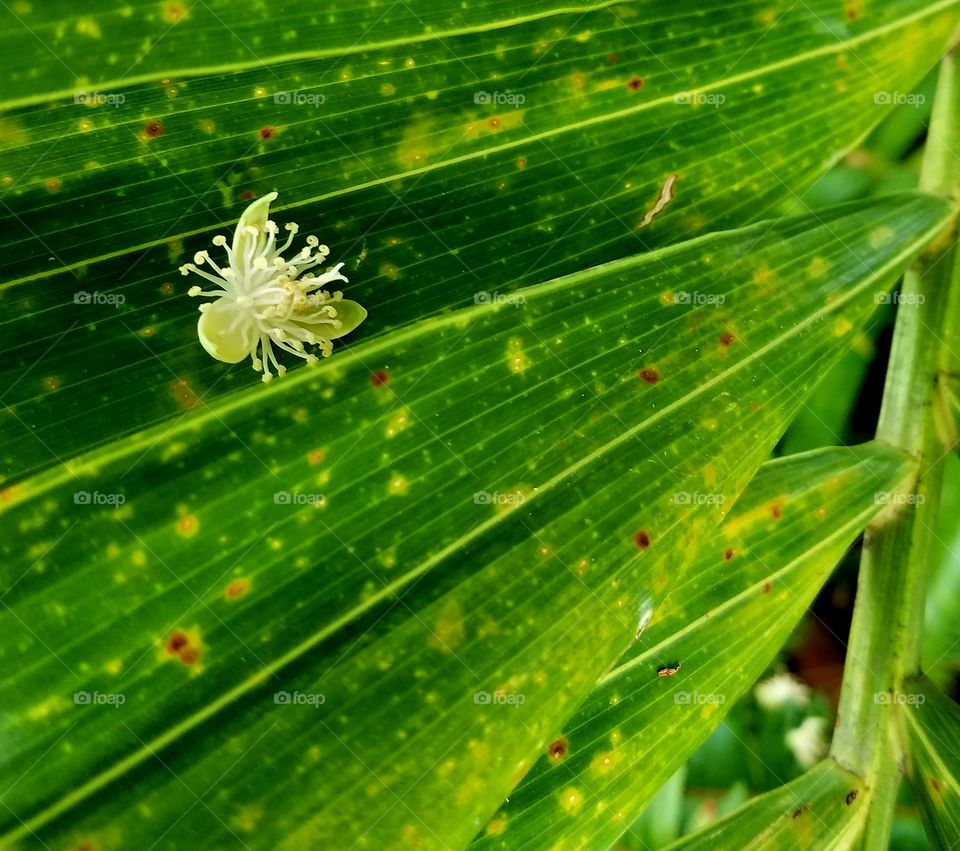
(668, 670)
(264, 299)
(666, 196)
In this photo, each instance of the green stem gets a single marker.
(885, 637)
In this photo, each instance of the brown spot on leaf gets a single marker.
(379, 378)
(316, 456)
(237, 588)
(851, 797)
(776, 511)
(767, 586)
(152, 129)
(727, 339)
(642, 539)
(649, 375)
(558, 749)
(267, 133)
(934, 783)
(185, 647)
(729, 553)
(635, 84)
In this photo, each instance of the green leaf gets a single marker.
(933, 728)
(726, 620)
(822, 810)
(431, 198)
(472, 527)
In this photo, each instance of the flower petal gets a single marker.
(216, 337)
(350, 315)
(256, 214)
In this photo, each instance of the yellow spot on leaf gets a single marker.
(818, 268)
(571, 800)
(842, 327)
(448, 631)
(881, 236)
(398, 422)
(517, 361)
(187, 526)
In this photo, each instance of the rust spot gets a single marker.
(187, 526)
(754, 406)
(316, 456)
(177, 641)
(167, 289)
(776, 511)
(612, 58)
(729, 553)
(379, 378)
(493, 123)
(174, 12)
(267, 133)
(184, 394)
(247, 195)
(935, 784)
(153, 129)
(642, 539)
(767, 586)
(184, 646)
(521, 163)
(54, 184)
(635, 84)
(851, 797)
(558, 749)
(727, 339)
(649, 375)
(237, 588)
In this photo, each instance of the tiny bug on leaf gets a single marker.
(668, 670)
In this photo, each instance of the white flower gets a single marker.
(808, 742)
(265, 300)
(780, 690)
